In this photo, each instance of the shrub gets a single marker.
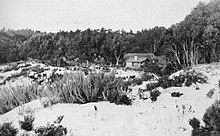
(137, 81)
(176, 94)
(47, 102)
(194, 77)
(59, 119)
(195, 123)
(72, 88)
(147, 76)
(128, 83)
(24, 110)
(211, 120)
(165, 82)
(37, 69)
(210, 93)
(27, 124)
(124, 100)
(114, 97)
(51, 130)
(154, 94)
(211, 117)
(152, 86)
(78, 88)
(11, 97)
(188, 78)
(153, 68)
(8, 130)
(11, 67)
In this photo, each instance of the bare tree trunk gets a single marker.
(175, 51)
(117, 57)
(117, 61)
(185, 49)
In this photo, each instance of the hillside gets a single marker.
(167, 116)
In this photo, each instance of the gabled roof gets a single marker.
(139, 55)
(141, 59)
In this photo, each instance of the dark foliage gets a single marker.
(27, 123)
(195, 123)
(194, 77)
(152, 86)
(211, 120)
(152, 68)
(124, 99)
(51, 130)
(147, 76)
(8, 130)
(128, 83)
(184, 40)
(59, 119)
(137, 81)
(210, 93)
(176, 94)
(154, 94)
(187, 79)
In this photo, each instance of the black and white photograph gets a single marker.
(110, 68)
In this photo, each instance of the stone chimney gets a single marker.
(135, 57)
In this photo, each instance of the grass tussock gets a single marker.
(78, 88)
(72, 88)
(14, 96)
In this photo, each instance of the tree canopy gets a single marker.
(192, 41)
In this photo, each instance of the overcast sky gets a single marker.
(55, 15)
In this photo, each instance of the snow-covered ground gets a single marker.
(168, 116)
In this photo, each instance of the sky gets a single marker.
(56, 15)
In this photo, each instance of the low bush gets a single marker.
(211, 120)
(128, 83)
(137, 81)
(147, 76)
(49, 101)
(11, 67)
(210, 93)
(51, 130)
(194, 77)
(153, 68)
(59, 119)
(27, 123)
(152, 86)
(154, 94)
(8, 130)
(176, 94)
(195, 124)
(78, 88)
(37, 69)
(72, 88)
(187, 79)
(11, 97)
(115, 97)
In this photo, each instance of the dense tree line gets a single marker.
(194, 40)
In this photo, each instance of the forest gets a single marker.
(193, 41)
